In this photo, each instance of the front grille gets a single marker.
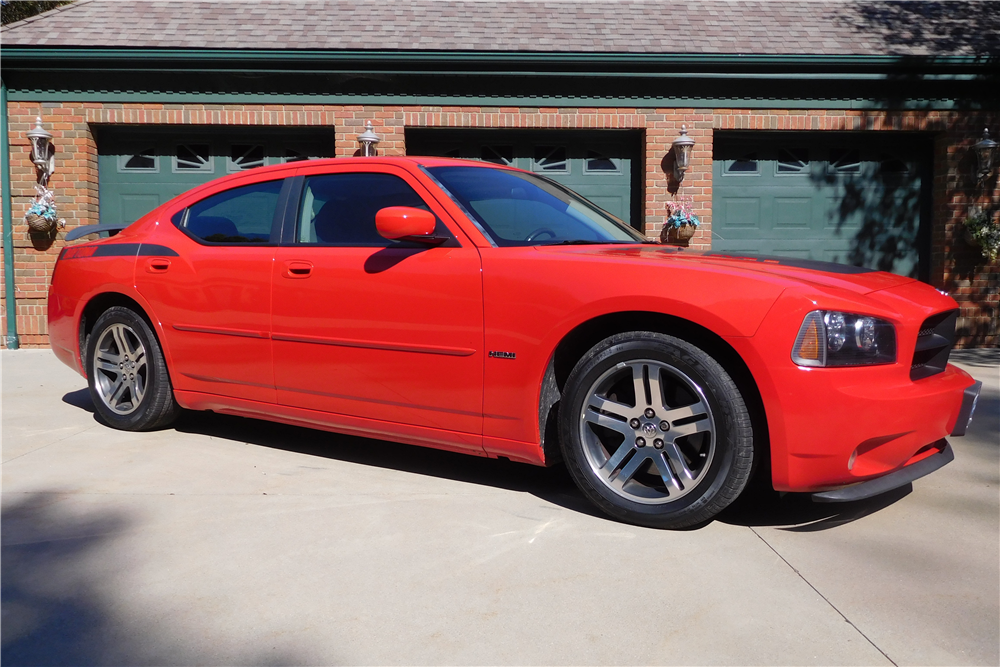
(934, 342)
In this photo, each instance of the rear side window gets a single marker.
(238, 216)
(339, 209)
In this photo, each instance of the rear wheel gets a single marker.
(654, 431)
(127, 373)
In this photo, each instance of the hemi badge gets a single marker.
(502, 355)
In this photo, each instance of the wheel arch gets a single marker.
(102, 302)
(585, 335)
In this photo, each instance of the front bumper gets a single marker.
(880, 485)
(921, 468)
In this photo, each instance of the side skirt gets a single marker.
(452, 441)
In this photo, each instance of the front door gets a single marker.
(366, 327)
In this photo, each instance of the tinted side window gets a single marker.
(339, 209)
(240, 215)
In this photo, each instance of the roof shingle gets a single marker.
(778, 27)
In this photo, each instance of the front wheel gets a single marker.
(654, 431)
(127, 373)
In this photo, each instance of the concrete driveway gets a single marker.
(233, 541)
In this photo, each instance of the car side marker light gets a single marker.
(809, 348)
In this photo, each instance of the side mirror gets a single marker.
(402, 223)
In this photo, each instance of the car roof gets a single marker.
(282, 170)
(426, 161)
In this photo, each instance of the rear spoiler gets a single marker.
(80, 232)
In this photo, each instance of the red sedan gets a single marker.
(490, 311)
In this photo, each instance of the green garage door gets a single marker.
(838, 197)
(139, 169)
(602, 166)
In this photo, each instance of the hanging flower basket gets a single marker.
(42, 215)
(682, 223)
(981, 231)
(39, 223)
(684, 232)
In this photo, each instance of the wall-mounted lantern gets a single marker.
(42, 215)
(986, 156)
(42, 152)
(368, 140)
(682, 153)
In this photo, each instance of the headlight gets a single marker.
(831, 338)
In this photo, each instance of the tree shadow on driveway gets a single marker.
(62, 563)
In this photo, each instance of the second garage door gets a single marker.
(839, 197)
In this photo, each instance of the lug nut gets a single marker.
(649, 413)
(634, 423)
(640, 442)
(664, 425)
(658, 443)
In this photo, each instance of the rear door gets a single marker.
(214, 297)
(362, 326)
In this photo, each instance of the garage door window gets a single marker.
(193, 157)
(235, 217)
(845, 162)
(245, 156)
(793, 161)
(294, 156)
(144, 161)
(502, 155)
(745, 165)
(550, 159)
(890, 164)
(601, 164)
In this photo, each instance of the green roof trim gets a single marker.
(41, 53)
(138, 97)
(276, 76)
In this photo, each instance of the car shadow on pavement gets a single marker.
(552, 484)
(757, 507)
(797, 512)
(80, 399)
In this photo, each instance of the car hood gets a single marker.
(852, 278)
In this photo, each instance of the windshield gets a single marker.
(518, 209)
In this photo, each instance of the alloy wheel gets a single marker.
(120, 369)
(648, 431)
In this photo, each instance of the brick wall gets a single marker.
(956, 267)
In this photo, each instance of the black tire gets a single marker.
(127, 374)
(696, 450)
